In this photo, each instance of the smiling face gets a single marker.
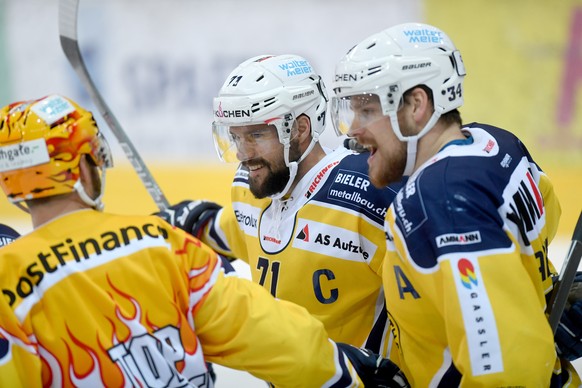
(260, 152)
(373, 130)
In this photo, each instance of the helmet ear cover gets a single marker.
(41, 145)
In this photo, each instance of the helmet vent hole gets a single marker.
(374, 70)
(370, 46)
(270, 101)
(260, 78)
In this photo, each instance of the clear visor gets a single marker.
(241, 142)
(353, 112)
(102, 152)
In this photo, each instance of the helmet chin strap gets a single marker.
(96, 203)
(412, 141)
(294, 166)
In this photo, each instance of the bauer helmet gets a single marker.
(389, 63)
(41, 144)
(269, 89)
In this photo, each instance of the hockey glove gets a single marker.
(569, 332)
(374, 371)
(190, 216)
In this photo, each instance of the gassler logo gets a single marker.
(467, 273)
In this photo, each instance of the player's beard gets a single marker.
(389, 168)
(278, 175)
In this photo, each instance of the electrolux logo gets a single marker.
(247, 220)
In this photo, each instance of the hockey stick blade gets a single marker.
(566, 277)
(68, 13)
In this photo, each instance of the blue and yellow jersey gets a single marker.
(467, 270)
(94, 299)
(321, 248)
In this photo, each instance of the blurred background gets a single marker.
(158, 64)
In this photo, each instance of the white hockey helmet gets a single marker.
(389, 63)
(269, 89)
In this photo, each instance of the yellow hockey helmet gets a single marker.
(41, 144)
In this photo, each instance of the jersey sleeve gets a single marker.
(484, 285)
(241, 326)
(20, 362)
(224, 235)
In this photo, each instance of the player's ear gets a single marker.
(421, 103)
(84, 170)
(89, 176)
(304, 127)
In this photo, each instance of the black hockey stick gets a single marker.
(68, 12)
(566, 278)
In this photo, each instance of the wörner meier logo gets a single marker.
(458, 239)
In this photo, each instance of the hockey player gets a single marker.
(96, 299)
(466, 271)
(306, 219)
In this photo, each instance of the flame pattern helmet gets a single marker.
(41, 144)
(390, 62)
(268, 89)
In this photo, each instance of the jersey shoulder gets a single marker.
(452, 203)
(349, 186)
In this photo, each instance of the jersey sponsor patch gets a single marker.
(332, 241)
(52, 109)
(319, 178)
(447, 239)
(410, 218)
(523, 204)
(351, 188)
(247, 217)
(23, 155)
(478, 319)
